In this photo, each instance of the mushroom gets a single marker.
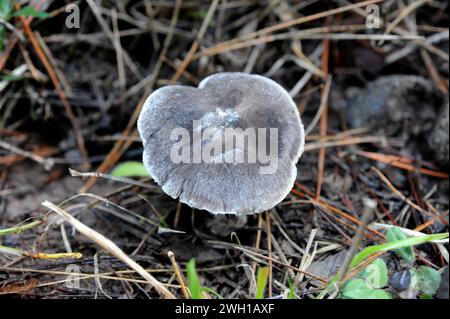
(229, 146)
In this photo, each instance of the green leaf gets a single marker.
(376, 274)
(368, 251)
(291, 293)
(408, 242)
(29, 11)
(407, 253)
(426, 280)
(193, 282)
(128, 169)
(5, 10)
(358, 289)
(261, 282)
(379, 294)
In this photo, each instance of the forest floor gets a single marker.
(372, 94)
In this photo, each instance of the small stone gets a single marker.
(391, 101)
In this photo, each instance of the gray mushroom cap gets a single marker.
(222, 101)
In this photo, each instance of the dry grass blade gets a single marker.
(178, 273)
(258, 239)
(308, 194)
(275, 261)
(269, 248)
(346, 142)
(196, 44)
(322, 107)
(231, 44)
(126, 58)
(404, 13)
(369, 208)
(324, 116)
(111, 247)
(51, 72)
(401, 162)
(121, 146)
(398, 193)
(124, 180)
(105, 58)
(46, 162)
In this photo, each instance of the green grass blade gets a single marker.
(13, 251)
(261, 282)
(291, 292)
(411, 241)
(193, 282)
(19, 229)
(212, 292)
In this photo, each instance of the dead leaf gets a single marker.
(23, 288)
